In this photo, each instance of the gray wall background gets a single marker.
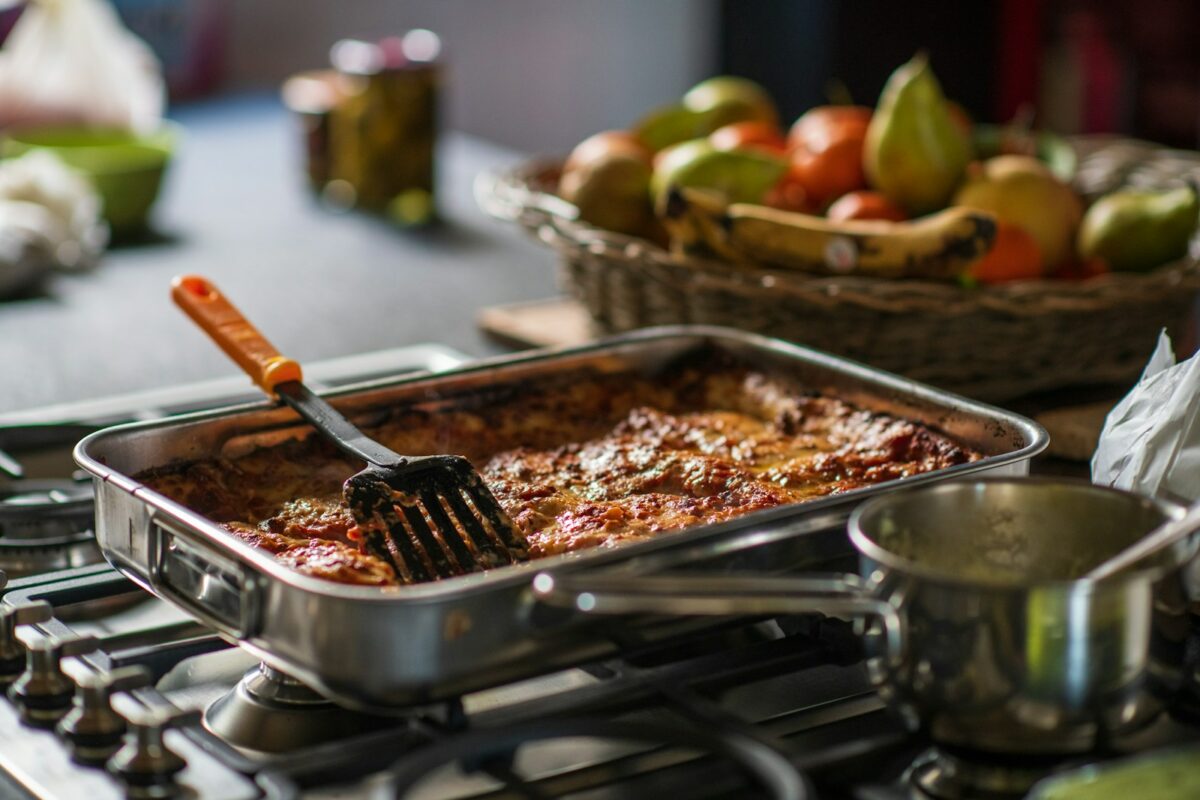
(537, 75)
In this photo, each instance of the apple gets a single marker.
(606, 143)
(607, 177)
(726, 99)
(742, 176)
(1024, 192)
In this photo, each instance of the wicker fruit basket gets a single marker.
(991, 342)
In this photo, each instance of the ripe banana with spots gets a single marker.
(942, 245)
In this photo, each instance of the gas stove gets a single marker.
(113, 693)
(119, 694)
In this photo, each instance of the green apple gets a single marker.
(726, 99)
(669, 125)
(742, 176)
(708, 105)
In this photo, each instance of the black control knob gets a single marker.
(144, 762)
(43, 692)
(12, 651)
(92, 730)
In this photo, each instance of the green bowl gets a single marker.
(1050, 148)
(1166, 774)
(125, 169)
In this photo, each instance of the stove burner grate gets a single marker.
(46, 525)
(46, 508)
(493, 751)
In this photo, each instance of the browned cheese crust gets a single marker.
(597, 462)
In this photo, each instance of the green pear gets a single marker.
(914, 152)
(1135, 230)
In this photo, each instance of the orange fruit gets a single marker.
(752, 134)
(790, 195)
(1015, 256)
(827, 151)
(865, 204)
(820, 126)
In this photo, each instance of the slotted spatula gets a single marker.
(426, 516)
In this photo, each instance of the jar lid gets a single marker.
(416, 49)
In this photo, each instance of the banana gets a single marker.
(690, 221)
(942, 245)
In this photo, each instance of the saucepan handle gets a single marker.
(836, 595)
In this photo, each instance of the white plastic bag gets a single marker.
(1151, 440)
(49, 219)
(73, 62)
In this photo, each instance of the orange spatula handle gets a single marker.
(241, 341)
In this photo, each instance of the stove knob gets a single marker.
(144, 762)
(12, 651)
(43, 692)
(92, 729)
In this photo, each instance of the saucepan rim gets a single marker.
(876, 553)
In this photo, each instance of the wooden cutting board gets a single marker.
(1074, 430)
(554, 322)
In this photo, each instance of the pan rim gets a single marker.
(870, 549)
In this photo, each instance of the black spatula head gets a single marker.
(432, 516)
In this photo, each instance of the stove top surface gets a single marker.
(114, 693)
(770, 709)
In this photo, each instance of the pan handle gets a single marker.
(201, 300)
(838, 595)
(219, 591)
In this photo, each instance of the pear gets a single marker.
(1136, 230)
(915, 153)
(1022, 191)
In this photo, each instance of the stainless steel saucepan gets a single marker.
(978, 623)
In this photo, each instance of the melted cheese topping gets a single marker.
(596, 461)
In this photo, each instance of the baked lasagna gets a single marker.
(586, 460)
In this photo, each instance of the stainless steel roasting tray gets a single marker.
(373, 647)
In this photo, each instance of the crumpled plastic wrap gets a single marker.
(1150, 442)
(72, 62)
(49, 219)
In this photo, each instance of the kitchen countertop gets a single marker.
(319, 283)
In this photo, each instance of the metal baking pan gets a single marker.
(399, 646)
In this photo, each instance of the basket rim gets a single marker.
(520, 194)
